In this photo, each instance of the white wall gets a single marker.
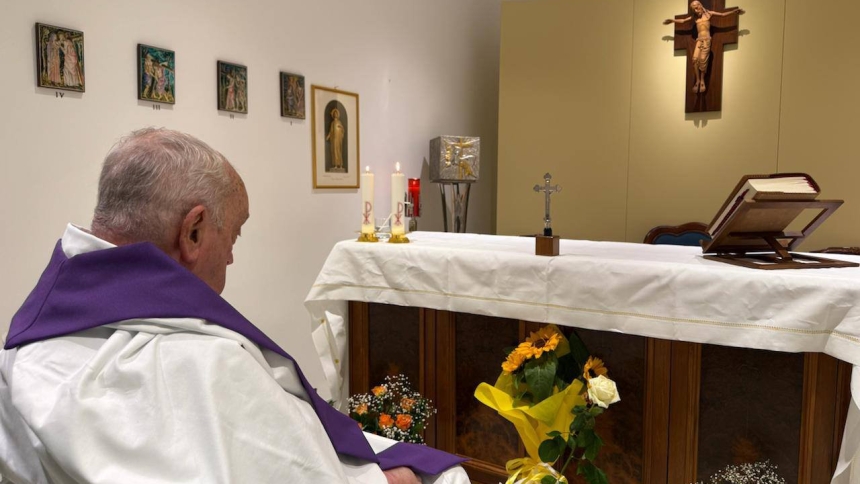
(421, 69)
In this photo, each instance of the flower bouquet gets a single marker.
(392, 410)
(552, 391)
(750, 473)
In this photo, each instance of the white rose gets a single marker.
(602, 391)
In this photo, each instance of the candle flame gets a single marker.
(367, 169)
(397, 167)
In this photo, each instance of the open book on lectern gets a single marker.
(750, 228)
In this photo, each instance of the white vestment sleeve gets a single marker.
(154, 408)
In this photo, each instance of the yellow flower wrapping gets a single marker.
(525, 470)
(533, 423)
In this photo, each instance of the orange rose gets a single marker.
(385, 420)
(361, 409)
(404, 421)
(407, 403)
(378, 390)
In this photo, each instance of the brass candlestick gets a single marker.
(398, 239)
(368, 238)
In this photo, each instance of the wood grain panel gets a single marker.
(428, 368)
(394, 339)
(825, 388)
(655, 448)
(750, 409)
(446, 377)
(359, 346)
(684, 411)
(480, 344)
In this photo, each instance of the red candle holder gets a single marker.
(414, 190)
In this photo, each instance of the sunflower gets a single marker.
(514, 361)
(544, 340)
(593, 367)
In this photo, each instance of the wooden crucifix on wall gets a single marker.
(703, 32)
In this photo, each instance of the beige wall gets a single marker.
(594, 93)
(421, 69)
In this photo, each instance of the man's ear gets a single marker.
(191, 235)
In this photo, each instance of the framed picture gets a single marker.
(59, 58)
(156, 74)
(292, 96)
(232, 87)
(334, 138)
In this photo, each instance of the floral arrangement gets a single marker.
(392, 410)
(552, 391)
(751, 473)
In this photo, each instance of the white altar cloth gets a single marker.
(660, 291)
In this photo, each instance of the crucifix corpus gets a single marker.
(703, 32)
(548, 190)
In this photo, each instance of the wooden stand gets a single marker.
(546, 245)
(754, 236)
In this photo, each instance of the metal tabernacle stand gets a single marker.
(454, 164)
(455, 205)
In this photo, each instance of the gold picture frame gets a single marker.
(335, 138)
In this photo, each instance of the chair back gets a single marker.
(690, 234)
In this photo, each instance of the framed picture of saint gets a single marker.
(232, 88)
(60, 58)
(156, 74)
(334, 138)
(292, 96)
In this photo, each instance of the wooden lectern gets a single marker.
(754, 236)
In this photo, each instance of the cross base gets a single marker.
(546, 245)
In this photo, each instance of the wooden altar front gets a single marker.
(687, 409)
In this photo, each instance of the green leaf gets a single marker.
(585, 438)
(581, 468)
(540, 375)
(578, 423)
(578, 350)
(549, 480)
(568, 369)
(591, 472)
(595, 411)
(593, 448)
(554, 433)
(549, 450)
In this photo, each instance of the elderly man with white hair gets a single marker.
(125, 364)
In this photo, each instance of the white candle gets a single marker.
(367, 202)
(398, 199)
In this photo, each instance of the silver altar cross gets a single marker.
(548, 190)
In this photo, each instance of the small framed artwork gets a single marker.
(60, 58)
(156, 74)
(232, 87)
(292, 96)
(334, 138)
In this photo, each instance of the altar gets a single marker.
(715, 363)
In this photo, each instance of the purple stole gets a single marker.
(139, 281)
